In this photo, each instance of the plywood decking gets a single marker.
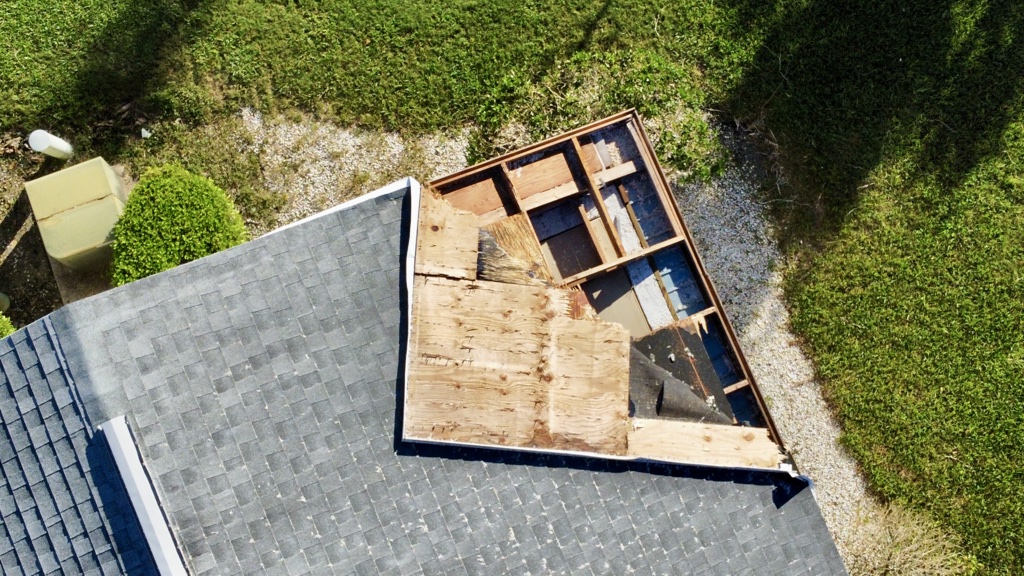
(515, 235)
(505, 347)
(504, 364)
(446, 240)
(713, 444)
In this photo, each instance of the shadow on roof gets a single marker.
(126, 530)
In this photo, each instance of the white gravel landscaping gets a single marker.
(734, 237)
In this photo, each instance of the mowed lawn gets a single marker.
(899, 128)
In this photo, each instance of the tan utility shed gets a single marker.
(76, 209)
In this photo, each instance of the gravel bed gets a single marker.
(730, 226)
(317, 165)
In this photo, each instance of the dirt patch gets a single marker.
(25, 274)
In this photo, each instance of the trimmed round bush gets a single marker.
(172, 217)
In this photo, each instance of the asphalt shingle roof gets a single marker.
(63, 506)
(261, 385)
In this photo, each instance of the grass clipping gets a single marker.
(898, 542)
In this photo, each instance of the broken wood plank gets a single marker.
(711, 444)
(446, 240)
(699, 319)
(517, 237)
(496, 265)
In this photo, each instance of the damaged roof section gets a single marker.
(558, 304)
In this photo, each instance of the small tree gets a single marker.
(172, 217)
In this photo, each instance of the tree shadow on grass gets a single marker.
(107, 98)
(842, 84)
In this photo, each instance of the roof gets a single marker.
(537, 273)
(63, 506)
(260, 383)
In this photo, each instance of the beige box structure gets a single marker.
(76, 209)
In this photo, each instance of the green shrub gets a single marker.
(6, 327)
(172, 217)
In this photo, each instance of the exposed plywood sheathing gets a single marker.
(447, 240)
(511, 368)
(540, 176)
(518, 357)
(496, 265)
(714, 444)
(478, 198)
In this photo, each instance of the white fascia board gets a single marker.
(143, 498)
(407, 182)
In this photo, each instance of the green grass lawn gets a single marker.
(900, 127)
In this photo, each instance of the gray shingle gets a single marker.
(55, 517)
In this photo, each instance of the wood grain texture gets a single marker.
(517, 237)
(479, 198)
(504, 364)
(589, 157)
(550, 196)
(604, 177)
(446, 240)
(711, 444)
(540, 176)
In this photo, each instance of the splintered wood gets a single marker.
(505, 364)
(515, 235)
(713, 444)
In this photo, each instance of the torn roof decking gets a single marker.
(571, 213)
